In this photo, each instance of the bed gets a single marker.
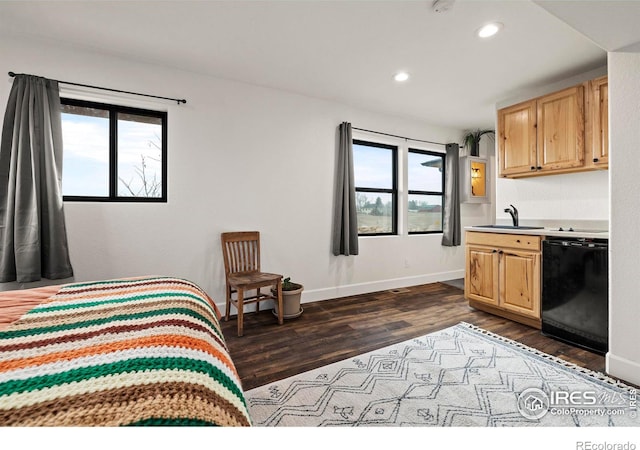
(143, 351)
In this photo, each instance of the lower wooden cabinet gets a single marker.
(503, 275)
(482, 274)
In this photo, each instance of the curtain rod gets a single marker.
(396, 136)
(177, 100)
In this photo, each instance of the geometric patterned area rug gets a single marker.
(459, 376)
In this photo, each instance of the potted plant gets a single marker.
(291, 294)
(472, 140)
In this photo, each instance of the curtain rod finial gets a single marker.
(12, 74)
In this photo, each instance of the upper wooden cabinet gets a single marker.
(561, 130)
(544, 135)
(517, 139)
(597, 136)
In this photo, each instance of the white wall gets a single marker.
(623, 359)
(559, 198)
(566, 198)
(240, 157)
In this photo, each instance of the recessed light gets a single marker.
(401, 76)
(489, 29)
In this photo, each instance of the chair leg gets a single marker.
(258, 303)
(240, 295)
(280, 303)
(228, 304)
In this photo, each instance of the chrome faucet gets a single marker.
(514, 214)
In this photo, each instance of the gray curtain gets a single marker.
(33, 237)
(345, 222)
(451, 230)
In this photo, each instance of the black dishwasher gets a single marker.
(575, 300)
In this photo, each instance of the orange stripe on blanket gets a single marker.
(169, 340)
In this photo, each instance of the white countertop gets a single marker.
(589, 234)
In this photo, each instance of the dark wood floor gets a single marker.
(332, 330)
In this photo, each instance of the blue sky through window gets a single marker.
(372, 166)
(424, 178)
(139, 158)
(86, 155)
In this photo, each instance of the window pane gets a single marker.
(373, 166)
(425, 172)
(139, 156)
(85, 136)
(425, 213)
(375, 212)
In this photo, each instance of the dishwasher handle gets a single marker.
(581, 244)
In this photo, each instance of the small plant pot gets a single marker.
(475, 149)
(291, 303)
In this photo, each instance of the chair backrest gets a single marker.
(241, 251)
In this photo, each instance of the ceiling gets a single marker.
(348, 51)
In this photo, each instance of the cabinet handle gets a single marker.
(494, 251)
(595, 159)
(539, 167)
(533, 168)
(518, 241)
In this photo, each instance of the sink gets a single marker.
(508, 227)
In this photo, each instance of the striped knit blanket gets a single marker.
(122, 352)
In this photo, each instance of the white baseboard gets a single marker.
(315, 295)
(375, 286)
(623, 368)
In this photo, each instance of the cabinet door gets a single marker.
(481, 281)
(520, 282)
(517, 138)
(560, 125)
(600, 130)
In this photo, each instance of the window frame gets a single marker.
(113, 111)
(394, 185)
(432, 193)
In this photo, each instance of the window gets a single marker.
(113, 153)
(376, 187)
(425, 177)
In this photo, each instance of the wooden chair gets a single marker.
(241, 250)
